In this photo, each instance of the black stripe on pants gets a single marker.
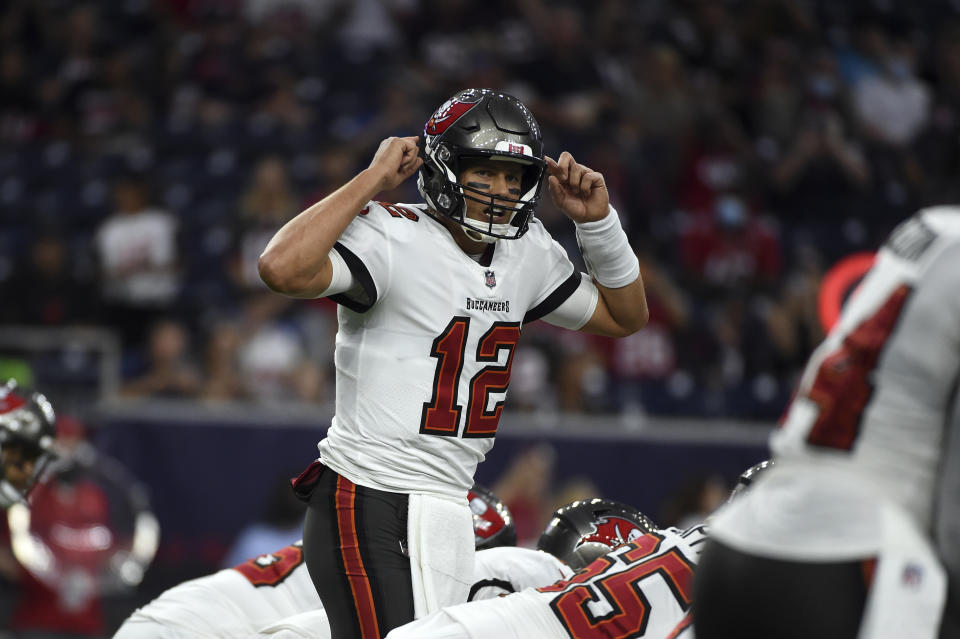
(352, 540)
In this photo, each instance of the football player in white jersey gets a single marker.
(273, 594)
(640, 588)
(27, 433)
(839, 539)
(433, 298)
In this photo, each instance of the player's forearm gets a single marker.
(296, 261)
(627, 306)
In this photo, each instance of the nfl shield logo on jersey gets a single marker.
(489, 278)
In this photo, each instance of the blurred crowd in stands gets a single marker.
(149, 149)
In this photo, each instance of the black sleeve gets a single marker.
(554, 299)
(358, 304)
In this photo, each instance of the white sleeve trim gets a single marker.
(577, 309)
(341, 278)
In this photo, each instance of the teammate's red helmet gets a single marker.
(581, 531)
(27, 425)
(481, 123)
(492, 522)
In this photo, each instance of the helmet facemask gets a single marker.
(27, 430)
(478, 124)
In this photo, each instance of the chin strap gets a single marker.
(477, 237)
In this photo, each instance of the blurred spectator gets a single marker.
(525, 488)
(222, 378)
(46, 288)
(938, 154)
(693, 501)
(730, 250)
(638, 361)
(892, 105)
(266, 204)
(169, 369)
(822, 173)
(574, 489)
(137, 248)
(719, 161)
(280, 524)
(582, 381)
(792, 321)
(530, 385)
(273, 358)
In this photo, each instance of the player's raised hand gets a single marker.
(395, 160)
(577, 190)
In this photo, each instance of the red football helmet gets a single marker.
(492, 523)
(27, 432)
(581, 531)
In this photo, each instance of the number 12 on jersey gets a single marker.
(441, 415)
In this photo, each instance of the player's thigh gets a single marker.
(353, 552)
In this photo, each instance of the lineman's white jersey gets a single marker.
(235, 602)
(878, 394)
(642, 589)
(275, 591)
(500, 571)
(423, 353)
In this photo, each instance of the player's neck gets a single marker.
(468, 246)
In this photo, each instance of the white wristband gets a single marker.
(606, 251)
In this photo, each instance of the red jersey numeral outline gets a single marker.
(395, 210)
(441, 415)
(843, 387)
(490, 379)
(630, 609)
(271, 569)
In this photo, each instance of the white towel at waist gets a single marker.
(440, 543)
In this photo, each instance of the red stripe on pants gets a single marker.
(352, 561)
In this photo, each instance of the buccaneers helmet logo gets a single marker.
(448, 113)
(486, 521)
(613, 532)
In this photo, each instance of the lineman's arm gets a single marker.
(296, 261)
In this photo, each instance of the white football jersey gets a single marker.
(877, 395)
(500, 571)
(423, 352)
(641, 589)
(235, 602)
(273, 593)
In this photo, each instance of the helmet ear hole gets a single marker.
(588, 552)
